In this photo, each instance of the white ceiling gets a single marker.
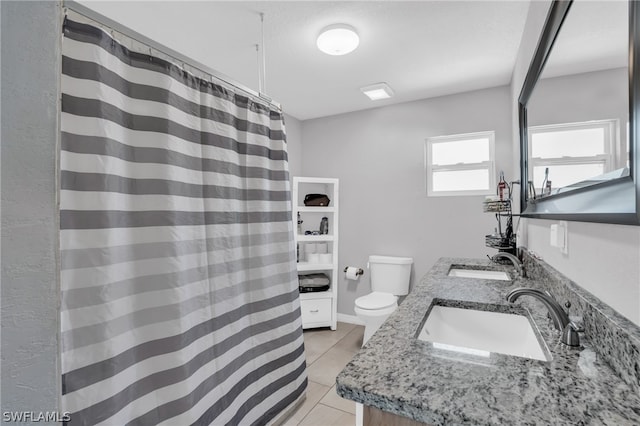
(421, 49)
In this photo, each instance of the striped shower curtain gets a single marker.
(179, 292)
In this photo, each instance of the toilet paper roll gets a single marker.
(325, 257)
(321, 248)
(310, 247)
(313, 258)
(352, 273)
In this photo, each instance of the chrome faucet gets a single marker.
(560, 318)
(516, 262)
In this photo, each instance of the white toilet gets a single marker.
(389, 279)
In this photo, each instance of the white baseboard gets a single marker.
(350, 319)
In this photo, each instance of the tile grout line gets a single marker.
(324, 394)
(315, 405)
(321, 384)
(331, 347)
(330, 387)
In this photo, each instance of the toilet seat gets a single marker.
(376, 300)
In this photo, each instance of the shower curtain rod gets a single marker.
(127, 32)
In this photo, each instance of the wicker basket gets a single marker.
(498, 242)
(496, 206)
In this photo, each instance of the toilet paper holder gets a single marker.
(358, 272)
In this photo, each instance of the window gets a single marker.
(572, 152)
(460, 164)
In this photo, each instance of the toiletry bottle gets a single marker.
(543, 190)
(299, 224)
(324, 226)
(532, 190)
(502, 186)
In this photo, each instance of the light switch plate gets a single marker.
(564, 246)
(558, 236)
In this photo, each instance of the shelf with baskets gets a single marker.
(316, 230)
(503, 239)
(496, 206)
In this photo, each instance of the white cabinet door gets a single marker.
(316, 311)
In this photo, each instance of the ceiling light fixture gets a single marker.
(377, 91)
(338, 39)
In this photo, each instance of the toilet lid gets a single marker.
(376, 300)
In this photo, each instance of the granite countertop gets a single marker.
(399, 374)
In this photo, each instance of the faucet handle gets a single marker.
(570, 336)
(576, 327)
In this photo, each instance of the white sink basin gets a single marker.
(481, 332)
(479, 273)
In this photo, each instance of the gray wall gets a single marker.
(597, 95)
(30, 290)
(294, 144)
(378, 155)
(602, 258)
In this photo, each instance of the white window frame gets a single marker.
(431, 168)
(611, 130)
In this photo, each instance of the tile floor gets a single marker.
(327, 353)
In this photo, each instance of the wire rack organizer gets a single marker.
(503, 239)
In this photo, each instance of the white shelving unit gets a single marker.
(319, 309)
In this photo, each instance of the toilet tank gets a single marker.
(390, 274)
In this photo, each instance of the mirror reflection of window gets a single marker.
(573, 152)
(578, 112)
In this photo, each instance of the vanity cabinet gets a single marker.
(373, 416)
(317, 253)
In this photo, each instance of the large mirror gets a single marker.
(578, 115)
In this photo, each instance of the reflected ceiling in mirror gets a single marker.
(578, 112)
